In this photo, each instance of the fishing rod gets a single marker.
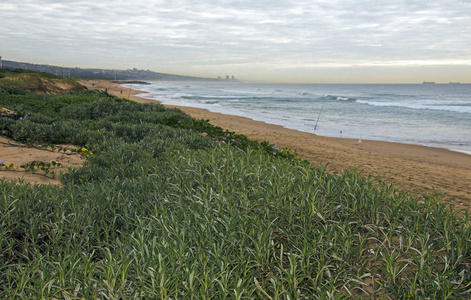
(318, 117)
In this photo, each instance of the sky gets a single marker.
(318, 41)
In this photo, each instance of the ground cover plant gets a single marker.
(41, 167)
(168, 207)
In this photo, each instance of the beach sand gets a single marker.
(19, 154)
(418, 169)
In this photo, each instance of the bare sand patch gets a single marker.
(18, 154)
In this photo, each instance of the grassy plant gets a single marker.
(160, 211)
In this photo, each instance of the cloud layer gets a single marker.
(251, 39)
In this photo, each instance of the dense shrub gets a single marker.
(11, 90)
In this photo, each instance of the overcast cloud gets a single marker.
(296, 40)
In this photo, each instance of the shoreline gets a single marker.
(307, 123)
(183, 106)
(461, 151)
(415, 168)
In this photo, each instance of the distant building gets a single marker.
(228, 78)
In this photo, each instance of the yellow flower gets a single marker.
(84, 150)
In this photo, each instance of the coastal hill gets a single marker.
(130, 74)
(37, 82)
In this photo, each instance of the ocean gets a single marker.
(436, 115)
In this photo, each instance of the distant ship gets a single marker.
(451, 82)
(428, 82)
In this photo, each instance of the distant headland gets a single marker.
(107, 74)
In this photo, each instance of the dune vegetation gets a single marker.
(169, 207)
(38, 82)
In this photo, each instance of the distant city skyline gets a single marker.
(268, 41)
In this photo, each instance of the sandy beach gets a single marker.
(418, 169)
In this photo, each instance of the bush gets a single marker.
(12, 90)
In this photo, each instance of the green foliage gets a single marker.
(171, 207)
(12, 90)
(12, 72)
(42, 167)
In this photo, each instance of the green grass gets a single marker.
(168, 207)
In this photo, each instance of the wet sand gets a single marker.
(419, 169)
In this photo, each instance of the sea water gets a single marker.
(437, 115)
